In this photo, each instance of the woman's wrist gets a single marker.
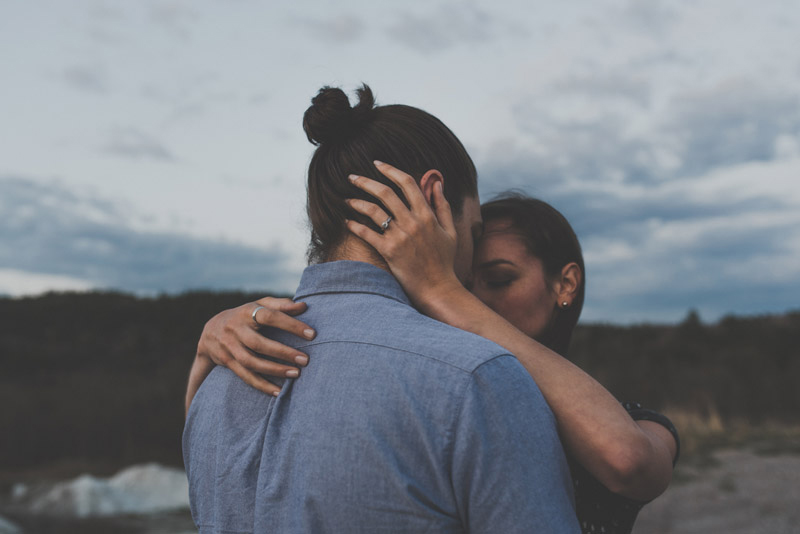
(448, 302)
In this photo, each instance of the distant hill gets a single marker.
(101, 376)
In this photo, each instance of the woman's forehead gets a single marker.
(502, 239)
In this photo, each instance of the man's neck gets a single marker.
(356, 249)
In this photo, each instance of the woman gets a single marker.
(528, 268)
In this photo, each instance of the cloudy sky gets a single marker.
(157, 145)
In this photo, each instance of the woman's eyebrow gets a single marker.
(492, 263)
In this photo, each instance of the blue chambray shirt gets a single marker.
(399, 424)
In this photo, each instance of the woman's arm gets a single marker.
(634, 460)
(231, 339)
(629, 458)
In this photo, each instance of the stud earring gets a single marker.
(564, 304)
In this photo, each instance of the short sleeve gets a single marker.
(509, 471)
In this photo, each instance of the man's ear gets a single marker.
(568, 283)
(427, 183)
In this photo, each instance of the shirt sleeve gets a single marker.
(509, 471)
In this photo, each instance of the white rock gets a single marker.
(140, 489)
(7, 527)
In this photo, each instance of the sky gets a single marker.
(157, 146)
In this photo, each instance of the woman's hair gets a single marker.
(549, 237)
(349, 139)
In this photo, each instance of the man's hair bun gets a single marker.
(330, 117)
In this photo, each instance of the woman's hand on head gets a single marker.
(232, 339)
(419, 243)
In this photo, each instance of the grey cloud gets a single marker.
(653, 16)
(86, 78)
(733, 123)
(49, 230)
(341, 29)
(664, 284)
(131, 143)
(105, 24)
(105, 12)
(444, 27)
(591, 148)
(596, 213)
(607, 86)
(177, 18)
(728, 124)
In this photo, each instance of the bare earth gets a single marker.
(739, 493)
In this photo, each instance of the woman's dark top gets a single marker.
(599, 510)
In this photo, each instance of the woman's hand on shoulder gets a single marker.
(419, 241)
(232, 339)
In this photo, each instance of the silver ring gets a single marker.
(385, 224)
(253, 315)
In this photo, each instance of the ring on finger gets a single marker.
(385, 224)
(255, 312)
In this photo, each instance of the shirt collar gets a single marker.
(349, 277)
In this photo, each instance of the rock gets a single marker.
(7, 527)
(140, 489)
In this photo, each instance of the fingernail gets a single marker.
(378, 163)
(302, 360)
(276, 393)
(309, 333)
(352, 177)
(292, 373)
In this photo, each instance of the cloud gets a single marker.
(339, 29)
(15, 283)
(86, 78)
(652, 17)
(53, 233)
(606, 86)
(732, 122)
(601, 128)
(133, 144)
(176, 17)
(444, 27)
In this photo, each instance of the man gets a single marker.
(401, 423)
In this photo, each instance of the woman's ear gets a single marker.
(569, 282)
(427, 183)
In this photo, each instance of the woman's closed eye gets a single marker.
(497, 280)
(498, 284)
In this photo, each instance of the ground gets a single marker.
(734, 492)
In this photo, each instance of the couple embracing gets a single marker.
(416, 382)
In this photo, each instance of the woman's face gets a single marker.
(512, 282)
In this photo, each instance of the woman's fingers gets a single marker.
(442, 210)
(259, 344)
(373, 211)
(276, 315)
(253, 380)
(255, 364)
(384, 193)
(406, 183)
(372, 237)
(285, 305)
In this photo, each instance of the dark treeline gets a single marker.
(100, 377)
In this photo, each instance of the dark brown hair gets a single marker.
(549, 237)
(349, 139)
